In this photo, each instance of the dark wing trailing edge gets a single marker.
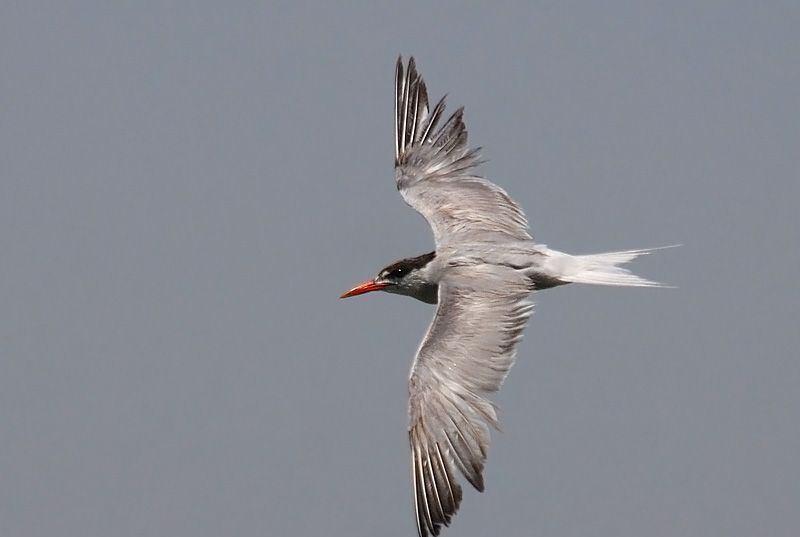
(434, 170)
(466, 355)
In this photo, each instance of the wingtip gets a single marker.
(411, 71)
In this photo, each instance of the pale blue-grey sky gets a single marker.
(185, 190)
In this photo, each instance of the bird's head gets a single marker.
(405, 277)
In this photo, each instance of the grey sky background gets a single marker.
(185, 191)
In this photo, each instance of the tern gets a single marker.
(485, 267)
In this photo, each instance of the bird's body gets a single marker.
(481, 275)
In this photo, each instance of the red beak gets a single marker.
(365, 287)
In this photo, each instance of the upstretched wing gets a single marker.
(466, 354)
(434, 171)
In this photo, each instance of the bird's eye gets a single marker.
(397, 273)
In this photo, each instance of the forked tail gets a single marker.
(603, 269)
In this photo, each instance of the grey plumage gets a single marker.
(433, 170)
(482, 310)
(466, 354)
(485, 267)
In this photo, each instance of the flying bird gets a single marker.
(481, 276)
